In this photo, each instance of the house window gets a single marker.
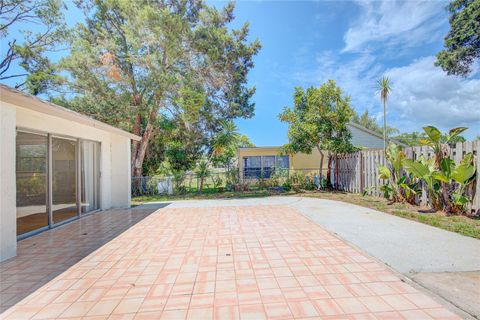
(264, 166)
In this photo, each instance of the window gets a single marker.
(252, 167)
(57, 179)
(264, 166)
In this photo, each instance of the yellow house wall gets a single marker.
(301, 162)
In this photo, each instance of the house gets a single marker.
(56, 165)
(258, 162)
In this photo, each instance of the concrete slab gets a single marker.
(460, 288)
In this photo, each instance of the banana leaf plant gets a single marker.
(399, 186)
(437, 142)
(447, 186)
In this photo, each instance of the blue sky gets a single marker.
(354, 43)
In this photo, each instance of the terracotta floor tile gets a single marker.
(78, 309)
(267, 283)
(174, 315)
(103, 308)
(302, 309)
(338, 291)
(226, 313)
(415, 315)
(375, 304)
(249, 297)
(152, 315)
(151, 304)
(178, 302)
(294, 294)
(128, 306)
(202, 300)
(272, 295)
(225, 298)
(398, 302)
(219, 262)
(328, 307)
(278, 311)
(200, 313)
(52, 311)
(252, 312)
(421, 300)
(351, 305)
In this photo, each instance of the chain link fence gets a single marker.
(251, 179)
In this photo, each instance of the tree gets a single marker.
(27, 49)
(370, 122)
(135, 60)
(318, 120)
(384, 88)
(367, 121)
(415, 138)
(225, 143)
(462, 42)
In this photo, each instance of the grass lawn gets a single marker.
(206, 195)
(463, 225)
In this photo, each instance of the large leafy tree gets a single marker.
(28, 50)
(318, 120)
(135, 60)
(462, 43)
(370, 122)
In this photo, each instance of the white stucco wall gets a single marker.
(121, 181)
(115, 184)
(364, 139)
(8, 216)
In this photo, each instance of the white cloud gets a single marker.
(356, 77)
(395, 23)
(422, 93)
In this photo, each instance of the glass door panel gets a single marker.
(90, 176)
(31, 178)
(64, 179)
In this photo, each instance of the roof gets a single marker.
(263, 147)
(27, 101)
(373, 133)
(352, 124)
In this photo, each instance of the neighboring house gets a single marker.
(56, 166)
(262, 161)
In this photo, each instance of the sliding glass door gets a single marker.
(64, 179)
(58, 179)
(90, 176)
(31, 172)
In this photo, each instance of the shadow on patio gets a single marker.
(43, 257)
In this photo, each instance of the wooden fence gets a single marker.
(358, 172)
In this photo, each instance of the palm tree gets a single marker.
(384, 87)
(227, 138)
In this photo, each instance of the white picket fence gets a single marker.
(358, 172)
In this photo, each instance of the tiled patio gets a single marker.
(247, 262)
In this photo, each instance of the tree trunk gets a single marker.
(385, 126)
(135, 144)
(329, 171)
(137, 167)
(142, 145)
(320, 169)
(447, 204)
